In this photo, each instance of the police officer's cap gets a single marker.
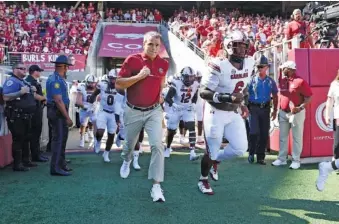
(62, 60)
(262, 61)
(34, 68)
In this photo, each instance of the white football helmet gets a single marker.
(104, 78)
(198, 76)
(187, 76)
(90, 78)
(236, 44)
(113, 73)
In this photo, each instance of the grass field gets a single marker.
(96, 194)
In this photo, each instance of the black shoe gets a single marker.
(67, 169)
(20, 168)
(42, 159)
(261, 162)
(59, 172)
(250, 159)
(30, 164)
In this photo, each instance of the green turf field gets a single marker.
(96, 194)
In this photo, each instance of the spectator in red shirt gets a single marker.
(295, 95)
(299, 27)
(143, 77)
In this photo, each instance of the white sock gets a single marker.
(203, 178)
(337, 163)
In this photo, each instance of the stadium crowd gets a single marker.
(47, 29)
(207, 29)
(134, 15)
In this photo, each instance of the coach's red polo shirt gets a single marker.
(293, 89)
(146, 92)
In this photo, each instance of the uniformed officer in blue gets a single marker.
(20, 106)
(36, 128)
(57, 113)
(261, 89)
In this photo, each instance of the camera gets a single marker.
(327, 19)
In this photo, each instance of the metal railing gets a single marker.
(275, 56)
(130, 21)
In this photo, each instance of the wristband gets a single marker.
(216, 98)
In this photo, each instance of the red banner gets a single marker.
(44, 61)
(121, 40)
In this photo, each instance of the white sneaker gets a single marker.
(295, 165)
(86, 137)
(90, 134)
(97, 146)
(204, 187)
(124, 169)
(106, 156)
(325, 168)
(193, 155)
(157, 193)
(167, 152)
(135, 160)
(118, 141)
(278, 162)
(82, 141)
(214, 172)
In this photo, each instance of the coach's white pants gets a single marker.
(151, 120)
(228, 124)
(199, 109)
(297, 127)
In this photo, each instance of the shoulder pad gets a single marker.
(214, 65)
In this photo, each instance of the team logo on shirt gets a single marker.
(9, 82)
(161, 70)
(57, 85)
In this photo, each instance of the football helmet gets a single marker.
(236, 45)
(90, 81)
(187, 76)
(112, 75)
(198, 76)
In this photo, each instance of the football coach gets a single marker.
(143, 76)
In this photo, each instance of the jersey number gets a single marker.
(110, 100)
(238, 87)
(88, 98)
(185, 97)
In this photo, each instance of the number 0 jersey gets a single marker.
(86, 96)
(107, 96)
(183, 94)
(223, 77)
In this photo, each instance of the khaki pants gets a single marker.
(297, 127)
(134, 121)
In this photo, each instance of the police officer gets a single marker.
(20, 106)
(32, 78)
(261, 89)
(57, 113)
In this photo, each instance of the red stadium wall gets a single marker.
(318, 67)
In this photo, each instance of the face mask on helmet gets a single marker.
(187, 76)
(198, 76)
(236, 46)
(90, 81)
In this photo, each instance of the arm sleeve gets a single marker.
(55, 88)
(11, 87)
(274, 87)
(212, 78)
(330, 91)
(306, 89)
(170, 94)
(126, 71)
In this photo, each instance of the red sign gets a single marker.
(321, 134)
(44, 61)
(121, 40)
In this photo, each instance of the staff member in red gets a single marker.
(299, 27)
(143, 76)
(295, 95)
